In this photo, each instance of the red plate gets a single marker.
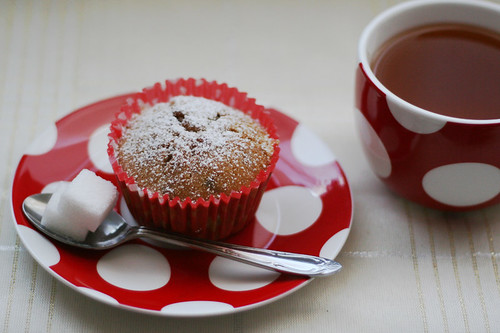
(307, 208)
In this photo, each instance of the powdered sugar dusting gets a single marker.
(194, 147)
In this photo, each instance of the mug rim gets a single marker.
(395, 11)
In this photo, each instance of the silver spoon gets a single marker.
(115, 231)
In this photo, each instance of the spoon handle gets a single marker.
(286, 262)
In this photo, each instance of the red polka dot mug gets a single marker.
(436, 160)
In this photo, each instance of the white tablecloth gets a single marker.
(406, 268)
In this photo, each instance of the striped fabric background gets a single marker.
(406, 268)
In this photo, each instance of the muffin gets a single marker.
(193, 157)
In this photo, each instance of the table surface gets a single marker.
(406, 268)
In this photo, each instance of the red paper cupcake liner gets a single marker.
(217, 217)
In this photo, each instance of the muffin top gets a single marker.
(194, 147)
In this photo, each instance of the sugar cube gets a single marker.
(81, 205)
(88, 199)
(59, 223)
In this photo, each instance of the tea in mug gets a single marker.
(450, 69)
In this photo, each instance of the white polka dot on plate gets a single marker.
(125, 212)
(332, 246)
(374, 148)
(235, 276)
(44, 142)
(46, 253)
(289, 209)
(413, 121)
(197, 307)
(308, 149)
(97, 295)
(97, 149)
(134, 267)
(462, 184)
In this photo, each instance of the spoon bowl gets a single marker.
(114, 230)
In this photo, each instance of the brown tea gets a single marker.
(451, 69)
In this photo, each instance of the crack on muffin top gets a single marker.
(194, 147)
